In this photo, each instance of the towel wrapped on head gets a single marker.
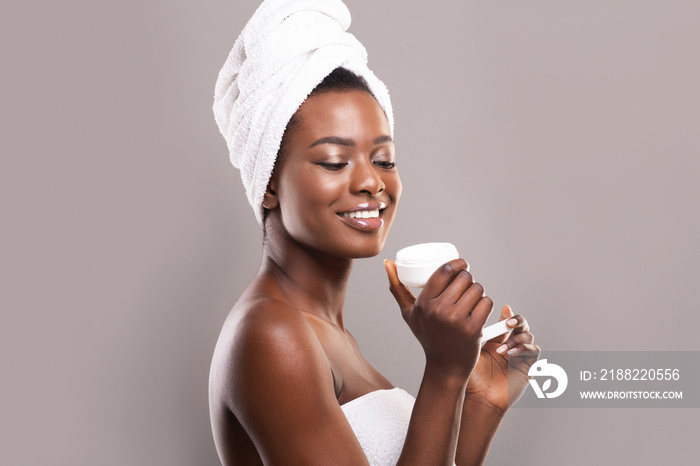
(287, 48)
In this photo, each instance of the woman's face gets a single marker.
(338, 188)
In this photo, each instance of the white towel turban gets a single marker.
(287, 48)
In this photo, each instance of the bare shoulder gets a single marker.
(271, 384)
(263, 342)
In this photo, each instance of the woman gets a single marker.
(288, 384)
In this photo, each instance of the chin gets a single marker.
(370, 251)
(369, 254)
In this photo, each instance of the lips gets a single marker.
(365, 217)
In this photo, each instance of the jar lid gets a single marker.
(426, 254)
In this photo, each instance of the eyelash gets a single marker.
(339, 166)
(332, 166)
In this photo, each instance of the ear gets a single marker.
(270, 200)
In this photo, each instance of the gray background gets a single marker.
(555, 143)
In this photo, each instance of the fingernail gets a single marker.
(502, 349)
(513, 350)
(512, 322)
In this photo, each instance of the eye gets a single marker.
(332, 166)
(387, 165)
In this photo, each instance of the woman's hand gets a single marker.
(486, 400)
(447, 317)
(489, 384)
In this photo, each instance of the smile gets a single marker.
(362, 214)
(364, 210)
(365, 217)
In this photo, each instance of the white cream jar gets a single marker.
(415, 264)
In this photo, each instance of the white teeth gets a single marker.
(362, 214)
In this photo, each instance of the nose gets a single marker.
(367, 179)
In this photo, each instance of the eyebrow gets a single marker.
(382, 140)
(347, 142)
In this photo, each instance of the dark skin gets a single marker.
(285, 363)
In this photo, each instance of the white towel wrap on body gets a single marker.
(287, 48)
(380, 422)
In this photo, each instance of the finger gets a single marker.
(518, 324)
(460, 283)
(471, 297)
(514, 340)
(506, 312)
(521, 338)
(481, 311)
(443, 276)
(520, 349)
(531, 353)
(402, 294)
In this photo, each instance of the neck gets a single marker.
(306, 278)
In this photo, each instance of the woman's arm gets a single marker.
(489, 393)
(478, 428)
(446, 318)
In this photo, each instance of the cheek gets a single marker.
(310, 201)
(327, 189)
